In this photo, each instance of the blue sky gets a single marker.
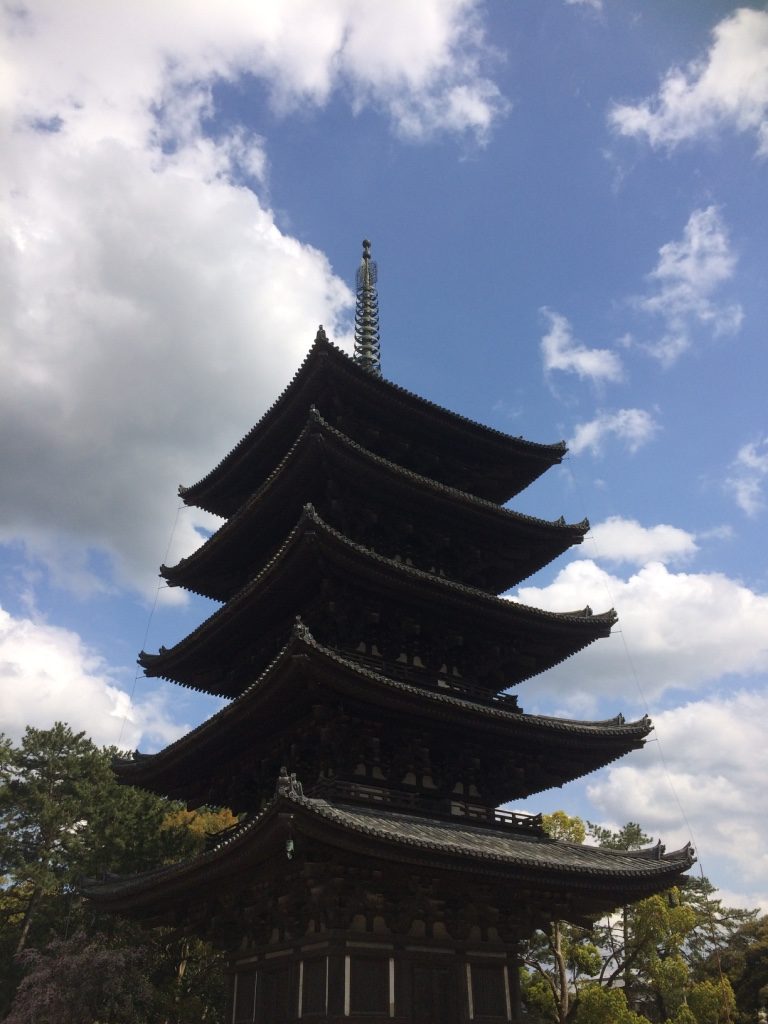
(566, 200)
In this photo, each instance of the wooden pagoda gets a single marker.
(369, 740)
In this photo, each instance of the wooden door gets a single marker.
(433, 994)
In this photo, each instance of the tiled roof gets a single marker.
(406, 576)
(557, 533)
(322, 347)
(409, 572)
(520, 856)
(615, 736)
(532, 852)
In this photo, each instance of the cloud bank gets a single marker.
(48, 674)
(152, 305)
(618, 540)
(715, 762)
(676, 630)
(635, 427)
(728, 86)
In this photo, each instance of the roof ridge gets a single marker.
(301, 636)
(349, 818)
(310, 515)
(324, 347)
(684, 855)
(580, 615)
(316, 420)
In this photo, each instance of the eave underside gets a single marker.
(307, 687)
(472, 540)
(555, 876)
(493, 465)
(346, 593)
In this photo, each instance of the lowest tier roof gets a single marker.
(479, 459)
(548, 751)
(593, 878)
(232, 647)
(513, 545)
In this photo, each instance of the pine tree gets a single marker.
(62, 817)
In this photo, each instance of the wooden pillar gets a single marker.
(337, 985)
(514, 988)
(229, 990)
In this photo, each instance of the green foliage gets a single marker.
(598, 1005)
(538, 997)
(560, 960)
(717, 925)
(744, 960)
(585, 958)
(566, 953)
(653, 960)
(683, 1016)
(48, 786)
(630, 837)
(712, 1002)
(670, 978)
(560, 825)
(63, 817)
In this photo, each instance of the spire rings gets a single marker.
(367, 340)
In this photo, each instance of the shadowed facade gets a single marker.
(369, 742)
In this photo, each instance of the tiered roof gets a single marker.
(542, 751)
(508, 545)
(364, 644)
(588, 880)
(225, 653)
(385, 419)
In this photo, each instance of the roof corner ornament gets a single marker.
(283, 786)
(288, 785)
(367, 341)
(299, 630)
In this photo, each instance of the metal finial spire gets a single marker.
(367, 342)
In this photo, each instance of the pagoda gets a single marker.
(370, 739)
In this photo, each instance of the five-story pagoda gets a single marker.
(369, 741)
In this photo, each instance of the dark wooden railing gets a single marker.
(443, 809)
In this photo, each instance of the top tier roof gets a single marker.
(459, 451)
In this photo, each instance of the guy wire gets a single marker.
(160, 586)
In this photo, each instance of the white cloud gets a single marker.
(685, 278)
(749, 470)
(144, 335)
(635, 427)
(620, 540)
(419, 63)
(597, 5)
(561, 351)
(151, 305)
(675, 630)
(48, 674)
(715, 764)
(728, 86)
